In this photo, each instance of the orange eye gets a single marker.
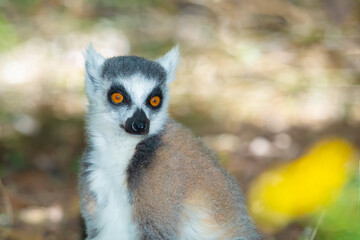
(155, 101)
(117, 98)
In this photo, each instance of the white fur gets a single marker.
(108, 182)
(139, 88)
(94, 63)
(197, 225)
(170, 62)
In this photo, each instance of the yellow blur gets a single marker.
(314, 180)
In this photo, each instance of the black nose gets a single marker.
(138, 124)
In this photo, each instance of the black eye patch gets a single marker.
(119, 89)
(155, 92)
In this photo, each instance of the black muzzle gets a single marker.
(138, 124)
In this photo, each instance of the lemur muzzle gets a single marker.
(138, 124)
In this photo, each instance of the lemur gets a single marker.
(143, 175)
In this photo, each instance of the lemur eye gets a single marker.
(117, 98)
(155, 101)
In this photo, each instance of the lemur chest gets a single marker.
(109, 183)
(115, 214)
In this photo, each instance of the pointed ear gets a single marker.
(170, 61)
(93, 65)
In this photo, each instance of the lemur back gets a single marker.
(161, 183)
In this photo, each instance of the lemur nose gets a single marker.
(138, 124)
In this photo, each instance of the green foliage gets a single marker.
(224, 158)
(8, 36)
(16, 160)
(152, 49)
(21, 6)
(313, 37)
(75, 166)
(342, 220)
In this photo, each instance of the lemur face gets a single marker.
(136, 98)
(129, 94)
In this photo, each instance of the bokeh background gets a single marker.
(261, 81)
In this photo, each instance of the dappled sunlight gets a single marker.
(259, 82)
(40, 215)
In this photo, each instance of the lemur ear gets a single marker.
(93, 65)
(170, 61)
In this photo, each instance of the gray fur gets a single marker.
(128, 65)
(144, 155)
(87, 197)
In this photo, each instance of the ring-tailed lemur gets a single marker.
(144, 176)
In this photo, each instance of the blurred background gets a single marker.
(271, 86)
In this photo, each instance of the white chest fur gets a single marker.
(108, 182)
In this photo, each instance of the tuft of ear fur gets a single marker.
(170, 61)
(93, 65)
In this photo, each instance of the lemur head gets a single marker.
(128, 94)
